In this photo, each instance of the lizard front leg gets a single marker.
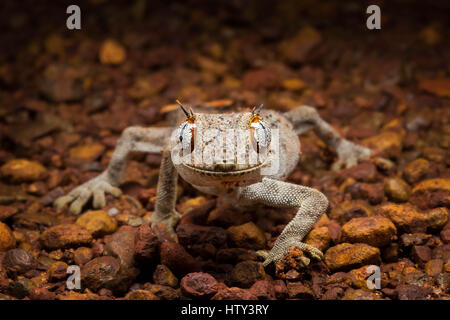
(305, 118)
(311, 202)
(166, 195)
(150, 140)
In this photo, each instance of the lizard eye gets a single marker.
(186, 136)
(260, 134)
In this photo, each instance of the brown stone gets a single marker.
(346, 210)
(21, 170)
(432, 193)
(234, 294)
(65, 236)
(97, 222)
(359, 294)
(191, 234)
(7, 240)
(346, 256)
(121, 245)
(413, 292)
(319, 238)
(147, 245)
(376, 231)
(421, 254)
(6, 212)
(86, 153)
(57, 271)
(82, 255)
(434, 267)
(177, 259)
(18, 261)
(396, 189)
(417, 170)
(297, 48)
(263, 290)
(164, 276)
(198, 285)
(297, 290)
(246, 273)
(112, 52)
(141, 295)
(247, 235)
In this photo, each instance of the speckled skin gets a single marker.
(246, 183)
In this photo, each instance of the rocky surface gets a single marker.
(65, 97)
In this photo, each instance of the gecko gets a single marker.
(244, 157)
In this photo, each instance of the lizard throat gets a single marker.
(224, 173)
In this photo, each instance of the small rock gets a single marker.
(247, 235)
(280, 289)
(82, 255)
(6, 212)
(198, 285)
(42, 294)
(97, 222)
(405, 217)
(413, 292)
(410, 239)
(105, 272)
(396, 189)
(346, 256)
(57, 271)
(376, 231)
(421, 254)
(263, 290)
(235, 255)
(234, 294)
(387, 144)
(21, 287)
(86, 153)
(436, 86)
(121, 245)
(296, 49)
(349, 209)
(372, 192)
(432, 193)
(65, 236)
(112, 52)
(226, 215)
(147, 245)
(417, 170)
(246, 273)
(177, 259)
(61, 82)
(434, 267)
(18, 261)
(319, 238)
(163, 292)
(164, 276)
(363, 172)
(22, 170)
(261, 79)
(7, 240)
(445, 235)
(297, 290)
(359, 294)
(191, 234)
(294, 84)
(141, 295)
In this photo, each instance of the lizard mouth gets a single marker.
(224, 169)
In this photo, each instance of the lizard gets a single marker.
(212, 152)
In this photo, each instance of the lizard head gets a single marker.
(221, 149)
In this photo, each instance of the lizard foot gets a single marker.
(281, 249)
(78, 197)
(349, 154)
(169, 222)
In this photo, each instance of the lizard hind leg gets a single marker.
(312, 205)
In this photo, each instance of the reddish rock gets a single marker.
(445, 235)
(280, 289)
(164, 276)
(7, 240)
(177, 259)
(65, 236)
(247, 235)
(147, 245)
(246, 273)
(263, 290)
(421, 254)
(347, 256)
(413, 292)
(432, 193)
(347, 210)
(373, 192)
(18, 261)
(234, 294)
(417, 170)
(261, 79)
(141, 295)
(396, 189)
(57, 271)
(434, 267)
(121, 245)
(226, 215)
(297, 290)
(82, 255)
(376, 231)
(198, 285)
(359, 294)
(162, 292)
(363, 172)
(7, 212)
(42, 294)
(191, 234)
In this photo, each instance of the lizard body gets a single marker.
(243, 156)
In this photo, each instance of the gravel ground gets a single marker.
(65, 97)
